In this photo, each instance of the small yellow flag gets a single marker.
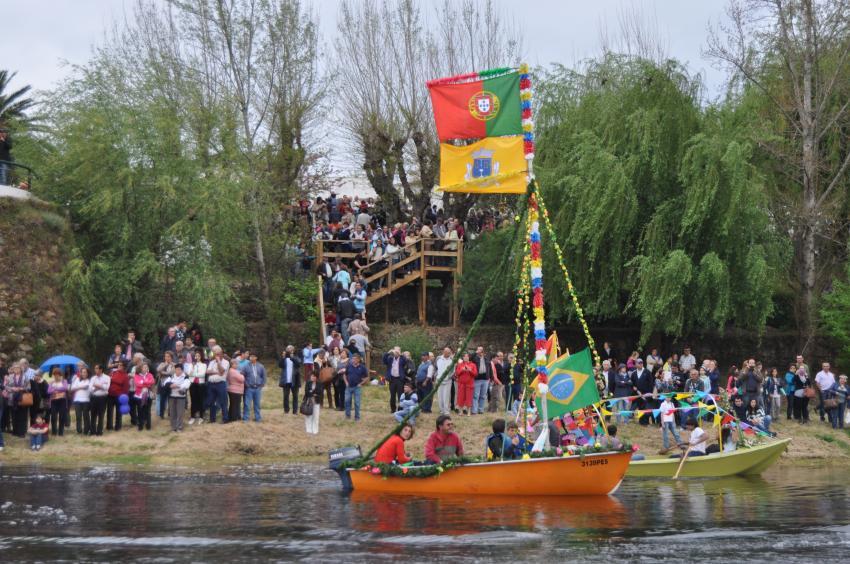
(717, 419)
(494, 165)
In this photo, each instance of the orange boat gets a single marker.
(592, 474)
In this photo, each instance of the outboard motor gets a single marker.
(336, 458)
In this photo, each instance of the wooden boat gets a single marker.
(742, 462)
(593, 474)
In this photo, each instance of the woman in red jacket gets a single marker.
(465, 374)
(144, 381)
(393, 450)
(119, 384)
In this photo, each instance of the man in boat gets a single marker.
(697, 441)
(739, 409)
(444, 442)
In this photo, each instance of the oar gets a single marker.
(682, 463)
(668, 449)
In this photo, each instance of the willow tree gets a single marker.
(174, 148)
(656, 202)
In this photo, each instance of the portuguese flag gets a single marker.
(477, 105)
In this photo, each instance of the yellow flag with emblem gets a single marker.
(494, 165)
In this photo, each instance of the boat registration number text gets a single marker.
(594, 462)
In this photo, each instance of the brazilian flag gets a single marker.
(571, 384)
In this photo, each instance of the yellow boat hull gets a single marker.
(593, 474)
(742, 462)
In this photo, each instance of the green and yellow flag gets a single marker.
(571, 383)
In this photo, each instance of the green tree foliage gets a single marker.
(655, 200)
(835, 315)
(156, 242)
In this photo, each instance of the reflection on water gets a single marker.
(298, 512)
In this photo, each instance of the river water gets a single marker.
(297, 512)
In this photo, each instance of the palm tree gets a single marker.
(13, 106)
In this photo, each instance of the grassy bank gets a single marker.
(281, 438)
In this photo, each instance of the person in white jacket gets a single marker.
(178, 383)
(81, 394)
(444, 392)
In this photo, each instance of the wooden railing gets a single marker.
(431, 254)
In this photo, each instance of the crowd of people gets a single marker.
(192, 383)
(756, 392)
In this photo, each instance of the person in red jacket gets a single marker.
(393, 450)
(118, 385)
(144, 381)
(465, 375)
(444, 442)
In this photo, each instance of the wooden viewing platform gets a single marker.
(433, 257)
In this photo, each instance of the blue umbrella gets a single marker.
(62, 361)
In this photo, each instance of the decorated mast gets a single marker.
(485, 125)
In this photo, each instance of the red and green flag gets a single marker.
(477, 105)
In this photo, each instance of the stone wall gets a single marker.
(34, 243)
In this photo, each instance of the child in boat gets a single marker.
(496, 445)
(610, 441)
(392, 451)
(517, 446)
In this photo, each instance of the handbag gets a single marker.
(26, 400)
(306, 407)
(830, 403)
(809, 393)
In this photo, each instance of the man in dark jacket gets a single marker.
(290, 378)
(644, 382)
(396, 365)
(482, 379)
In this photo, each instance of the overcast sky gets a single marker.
(42, 37)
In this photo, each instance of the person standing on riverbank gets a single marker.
(802, 389)
(119, 385)
(481, 380)
(57, 391)
(99, 393)
(164, 371)
(197, 375)
(217, 370)
(177, 385)
(81, 394)
(290, 378)
(235, 391)
(255, 380)
(396, 369)
(355, 376)
(313, 391)
(465, 374)
(144, 383)
(824, 380)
